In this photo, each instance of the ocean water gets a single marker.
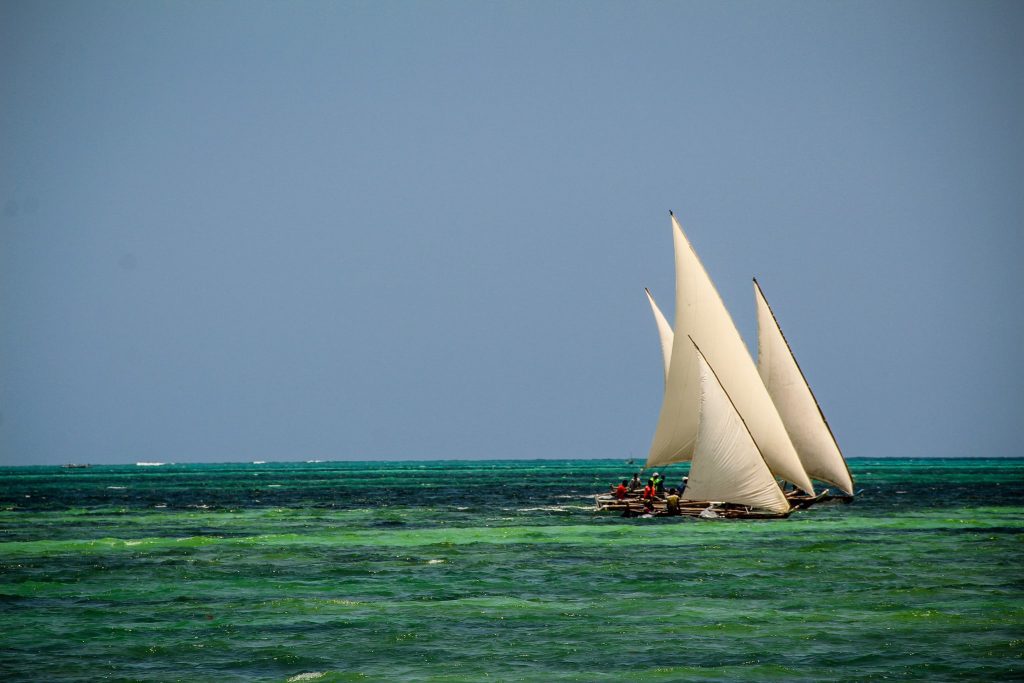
(469, 571)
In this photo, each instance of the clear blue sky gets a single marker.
(241, 230)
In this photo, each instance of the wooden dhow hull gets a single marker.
(704, 509)
(801, 501)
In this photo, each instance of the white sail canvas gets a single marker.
(808, 430)
(701, 315)
(664, 332)
(727, 466)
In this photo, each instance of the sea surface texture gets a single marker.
(469, 571)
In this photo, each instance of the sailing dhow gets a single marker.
(801, 414)
(701, 316)
(741, 425)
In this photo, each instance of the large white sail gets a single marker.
(701, 315)
(804, 420)
(664, 333)
(727, 466)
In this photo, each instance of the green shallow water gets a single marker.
(464, 571)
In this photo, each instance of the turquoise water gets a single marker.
(465, 571)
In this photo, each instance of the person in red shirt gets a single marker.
(649, 490)
(620, 492)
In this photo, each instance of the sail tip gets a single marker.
(670, 212)
(648, 291)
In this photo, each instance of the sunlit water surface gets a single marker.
(460, 571)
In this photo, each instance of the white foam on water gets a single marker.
(308, 676)
(149, 464)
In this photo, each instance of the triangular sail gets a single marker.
(700, 314)
(792, 395)
(727, 466)
(664, 332)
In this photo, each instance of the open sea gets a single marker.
(500, 570)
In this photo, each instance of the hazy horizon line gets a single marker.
(157, 463)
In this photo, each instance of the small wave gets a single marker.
(149, 464)
(544, 508)
(259, 462)
(308, 676)
(435, 561)
(119, 488)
